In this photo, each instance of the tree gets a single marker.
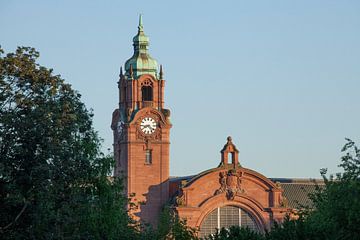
(236, 233)
(171, 227)
(337, 206)
(291, 229)
(53, 176)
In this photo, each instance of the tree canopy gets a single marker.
(53, 176)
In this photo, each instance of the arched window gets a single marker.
(226, 216)
(230, 158)
(147, 93)
(148, 157)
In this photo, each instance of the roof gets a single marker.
(296, 190)
(175, 179)
(141, 62)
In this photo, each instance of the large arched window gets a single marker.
(147, 93)
(225, 217)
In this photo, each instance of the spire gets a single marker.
(161, 74)
(121, 72)
(140, 27)
(141, 61)
(140, 41)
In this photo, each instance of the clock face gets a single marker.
(148, 125)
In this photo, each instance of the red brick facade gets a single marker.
(145, 182)
(231, 184)
(141, 127)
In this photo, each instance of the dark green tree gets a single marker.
(53, 176)
(291, 229)
(337, 206)
(335, 213)
(236, 233)
(170, 227)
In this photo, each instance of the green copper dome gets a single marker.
(141, 61)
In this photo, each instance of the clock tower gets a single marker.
(141, 127)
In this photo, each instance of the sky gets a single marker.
(281, 77)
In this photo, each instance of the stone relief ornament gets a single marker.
(180, 199)
(230, 182)
(283, 202)
(128, 114)
(155, 136)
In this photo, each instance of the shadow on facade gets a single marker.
(149, 209)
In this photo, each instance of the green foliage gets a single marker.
(350, 161)
(336, 211)
(53, 177)
(172, 227)
(236, 233)
(337, 206)
(291, 229)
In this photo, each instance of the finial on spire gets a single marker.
(121, 72)
(140, 27)
(161, 72)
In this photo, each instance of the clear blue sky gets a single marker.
(281, 77)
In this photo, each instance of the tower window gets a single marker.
(148, 157)
(147, 93)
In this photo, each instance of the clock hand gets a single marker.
(148, 127)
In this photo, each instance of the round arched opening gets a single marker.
(147, 93)
(224, 217)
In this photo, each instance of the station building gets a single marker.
(228, 194)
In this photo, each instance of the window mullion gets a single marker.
(239, 216)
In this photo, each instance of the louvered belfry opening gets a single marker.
(147, 93)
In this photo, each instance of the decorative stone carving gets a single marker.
(183, 183)
(128, 114)
(147, 82)
(166, 113)
(230, 182)
(156, 136)
(283, 202)
(180, 199)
